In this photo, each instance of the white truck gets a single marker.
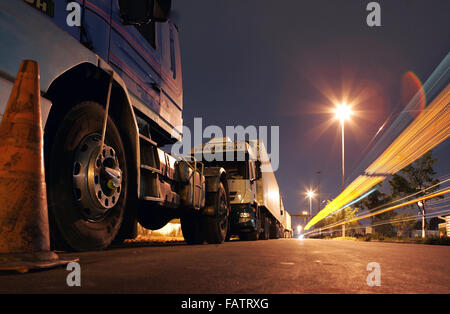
(257, 210)
(287, 224)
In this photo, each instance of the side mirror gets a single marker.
(161, 10)
(143, 11)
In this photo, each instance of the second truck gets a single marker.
(257, 210)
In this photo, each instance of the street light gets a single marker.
(318, 191)
(343, 112)
(310, 194)
(299, 229)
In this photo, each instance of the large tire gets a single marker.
(216, 227)
(273, 230)
(85, 208)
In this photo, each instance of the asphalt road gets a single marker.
(273, 266)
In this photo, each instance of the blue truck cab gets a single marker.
(145, 58)
(116, 61)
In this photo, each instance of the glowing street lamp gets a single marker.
(299, 229)
(343, 112)
(310, 194)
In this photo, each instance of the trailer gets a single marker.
(257, 210)
(287, 225)
(268, 192)
(112, 98)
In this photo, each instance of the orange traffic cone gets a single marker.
(24, 227)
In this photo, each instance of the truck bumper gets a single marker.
(5, 91)
(242, 218)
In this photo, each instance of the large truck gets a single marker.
(287, 224)
(257, 210)
(110, 79)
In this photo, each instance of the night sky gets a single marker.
(264, 63)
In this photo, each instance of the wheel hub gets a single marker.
(97, 177)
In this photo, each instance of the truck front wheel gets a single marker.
(87, 185)
(198, 228)
(216, 226)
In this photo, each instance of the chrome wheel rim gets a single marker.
(97, 178)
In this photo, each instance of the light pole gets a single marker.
(421, 205)
(310, 194)
(343, 112)
(318, 191)
(343, 156)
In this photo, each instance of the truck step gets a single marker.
(153, 199)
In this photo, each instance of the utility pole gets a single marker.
(318, 192)
(343, 158)
(421, 205)
(343, 112)
(310, 207)
(343, 176)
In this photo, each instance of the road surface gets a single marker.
(262, 267)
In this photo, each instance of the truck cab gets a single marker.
(242, 167)
(110, 74)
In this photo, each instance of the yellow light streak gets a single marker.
(429, 129)
(423, 198)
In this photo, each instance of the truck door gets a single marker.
(95, 26)
(171, 83)
(135, 54)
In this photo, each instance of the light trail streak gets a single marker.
(387, 221)
(422, 198)
(382, 222)
(429, 129)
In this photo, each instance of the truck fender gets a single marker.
(213, 177)
(121, 109)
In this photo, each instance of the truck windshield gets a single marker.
(237, 170)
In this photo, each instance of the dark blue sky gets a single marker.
(265, 62)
